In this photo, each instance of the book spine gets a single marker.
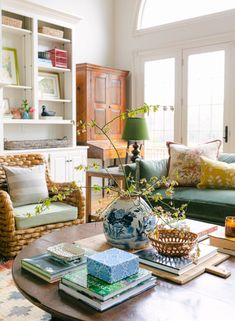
(226, 251)
(222, 243)
(203, 234)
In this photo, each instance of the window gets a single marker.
(193, 89)
(159, 88)
(157, 13)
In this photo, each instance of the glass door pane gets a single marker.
(159, 89)
(205, 97)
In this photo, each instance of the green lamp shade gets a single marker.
(135, 129)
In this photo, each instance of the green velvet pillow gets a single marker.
(227, 158)
(149, 168)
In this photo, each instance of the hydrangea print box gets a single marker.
(112, 265)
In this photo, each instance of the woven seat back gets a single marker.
(22, 160)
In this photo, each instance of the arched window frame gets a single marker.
(172, 25)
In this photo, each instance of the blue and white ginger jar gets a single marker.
(125, 222)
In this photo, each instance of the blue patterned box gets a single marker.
(112, 265)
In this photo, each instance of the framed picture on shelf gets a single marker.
(6, 106)
(10, 70)
(48, 85)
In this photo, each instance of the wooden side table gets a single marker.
(102, 173)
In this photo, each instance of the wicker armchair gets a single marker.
(12, 240)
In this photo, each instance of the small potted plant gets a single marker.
(25, 109)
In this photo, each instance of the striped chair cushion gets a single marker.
(26, 185)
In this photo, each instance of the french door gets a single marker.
(193, 89)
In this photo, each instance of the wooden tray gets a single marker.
(98, 243)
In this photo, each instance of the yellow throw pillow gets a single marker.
(215, 174)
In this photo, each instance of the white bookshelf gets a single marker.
(28, 41)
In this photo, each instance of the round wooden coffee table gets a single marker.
(194, 301)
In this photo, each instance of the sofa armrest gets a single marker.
(74, 195)
(7, 219)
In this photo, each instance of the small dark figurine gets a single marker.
(46, 112)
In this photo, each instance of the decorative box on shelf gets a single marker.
(51, 32)
(59, 58)
(112, 265)
(9, 21)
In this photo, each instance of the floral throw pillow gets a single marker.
(185, 164)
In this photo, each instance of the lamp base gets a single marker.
(135, 152)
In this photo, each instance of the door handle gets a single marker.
(225, 134)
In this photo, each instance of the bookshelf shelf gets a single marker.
(42, 36)
(14, 30)
(56, 100)
(37, 122)
(20, 87)
(53, 69)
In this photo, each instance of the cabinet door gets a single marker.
(59, 166)
(116, 104)
(99, 104)
(76, 159)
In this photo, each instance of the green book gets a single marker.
(97, 288)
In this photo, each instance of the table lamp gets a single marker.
(135, 129)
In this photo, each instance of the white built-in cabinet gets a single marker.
(28, 41)
(63, 166)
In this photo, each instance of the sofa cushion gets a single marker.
(227, 158)
(57, 212)
(206, 205)
(184, 162)
(215, 174)
(149, 168)
(26, 185)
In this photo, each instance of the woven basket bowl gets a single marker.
(173, 242)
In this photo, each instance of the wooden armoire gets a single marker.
(101, 96)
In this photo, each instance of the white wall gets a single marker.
(127, 43)
(95, 31)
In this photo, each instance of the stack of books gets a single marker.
(175, 265)
(102, 295)
(43, 62)
(109, 278)
(224, 243)
(50, 268)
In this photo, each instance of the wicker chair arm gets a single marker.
(75, 197)
(7, 219)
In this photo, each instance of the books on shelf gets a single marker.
(103, 305)
(50, 268)
(175, 265)
(226, 251)
(219, 240)
(42, 62)
(93, 287)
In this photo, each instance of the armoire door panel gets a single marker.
(100, 87)
(115, 126)
(115, 91)
(100, 118)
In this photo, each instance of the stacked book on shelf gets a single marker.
(175, 265)
(109, 278)
(224, 243)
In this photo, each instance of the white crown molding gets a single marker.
(40, 10)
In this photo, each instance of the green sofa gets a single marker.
(208, 205)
